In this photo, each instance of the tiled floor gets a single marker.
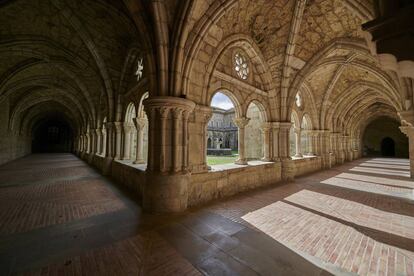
(58, 216)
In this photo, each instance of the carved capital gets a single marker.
(241, 122)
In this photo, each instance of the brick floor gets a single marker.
(58, 216)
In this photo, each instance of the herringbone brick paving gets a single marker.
(72, 221)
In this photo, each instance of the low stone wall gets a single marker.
(212, 185)
(123, 173)
(129, 175)
(307, 165)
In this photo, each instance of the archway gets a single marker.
(222, 133)
(388, 147)
(382, 137)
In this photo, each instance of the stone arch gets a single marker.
(264, 109)
(130, 113)
(231, 95)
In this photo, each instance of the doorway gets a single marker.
(388, 147)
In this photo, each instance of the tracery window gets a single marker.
(241, 66)
(298, 100)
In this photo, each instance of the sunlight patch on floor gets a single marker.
(327, 227)
(381, 171)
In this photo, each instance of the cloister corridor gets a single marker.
(58, 216)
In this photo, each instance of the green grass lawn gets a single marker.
(219, 160)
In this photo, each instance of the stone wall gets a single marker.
(208, 186)
(307, 165)
(12, 145)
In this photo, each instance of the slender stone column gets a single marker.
(198, 131)
(118, 140)
(275, 141)
(140, 124)
(265, 128)
(409, 131)
(298, 148)
(241, 123)
(166, 188)
(310, 139)
(127, 141)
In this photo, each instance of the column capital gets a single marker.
(407, 130)
(241, 122)
(203, 114)
(140, 122)
(165, 105)
(118, 126)
(266, 126)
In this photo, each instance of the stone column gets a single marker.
(288, 166)
(140, 124)
(104, 142)
(298, 148)
(109, 149)
(409, 131)
(118, 140)
(265, 128)
(167, 175)
(98, 134)
(275, 142)
(127, 141)
(241, 123)
(93, 141)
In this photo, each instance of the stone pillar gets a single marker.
(275, 142)
(140, 124)
(265, 128)
(298, 148)
(241, 123)
(98, 134)
(127, 141)
(104, 142)
(288, 166)
(109, 149)
(409, 131)
(167, 175)
(93, 141)
(118, 140)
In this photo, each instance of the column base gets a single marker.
(241, 162)
(166, 193)
(298, 155)
(140, 161)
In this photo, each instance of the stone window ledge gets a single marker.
(306, 157)
(129, 163)
(232, 166)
